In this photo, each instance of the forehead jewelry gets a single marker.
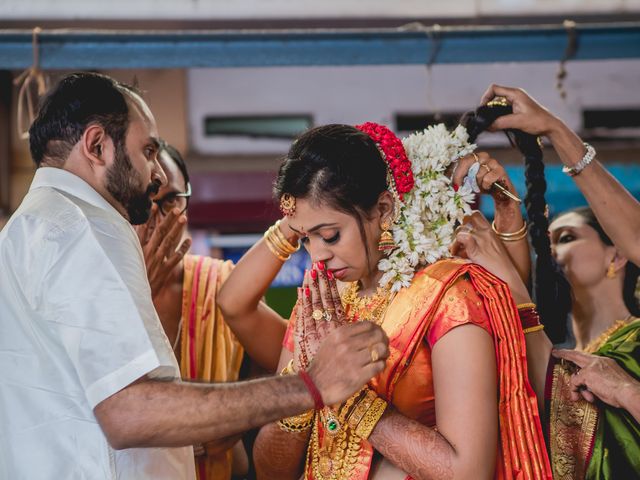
(287, 204)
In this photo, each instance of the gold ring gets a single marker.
(374, 354)
(475, 156)
(317, 314)
(487, 167)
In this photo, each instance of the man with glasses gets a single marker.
(184, 289)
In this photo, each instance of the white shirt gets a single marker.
(77, 325)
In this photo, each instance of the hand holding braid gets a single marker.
(551, 288)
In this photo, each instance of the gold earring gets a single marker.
(611, 271)
(386, 242)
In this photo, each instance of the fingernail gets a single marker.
(320, 265)
(330, 274)
(307, 292)
(314, 274)
(455, 187)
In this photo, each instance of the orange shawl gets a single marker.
(209, 350)
(522, 453)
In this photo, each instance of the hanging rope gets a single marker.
(569, 53)
(31, 79)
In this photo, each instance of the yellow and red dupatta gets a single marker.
(209, 350)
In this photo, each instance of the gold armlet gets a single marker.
(511, 236)
(521, 306)
(535, 328)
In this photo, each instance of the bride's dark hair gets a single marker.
(551, 290)
(338, 166)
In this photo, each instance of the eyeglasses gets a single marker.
(174, 200)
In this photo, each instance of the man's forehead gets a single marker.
(140, 111)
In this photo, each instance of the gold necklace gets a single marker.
(594, 345)
(370, 308)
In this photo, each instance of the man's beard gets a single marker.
(124, 184)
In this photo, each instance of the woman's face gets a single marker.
(334, 238)
(578, 249)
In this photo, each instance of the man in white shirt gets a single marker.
(89, 385)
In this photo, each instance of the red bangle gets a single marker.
(313, 390)
(529, 317)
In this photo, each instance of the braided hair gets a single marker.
(551, 290)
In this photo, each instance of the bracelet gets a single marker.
(313, 390)
(589, 155)
(536, 328)
(297, 423)
(371, 418)
(512, 236)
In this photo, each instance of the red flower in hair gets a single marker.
(393, 153)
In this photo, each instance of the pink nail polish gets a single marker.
(330, 274)
(314, 274)
(320, 265)
(307, 292)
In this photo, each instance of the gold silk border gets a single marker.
(572, 428)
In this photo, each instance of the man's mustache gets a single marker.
(153, 188)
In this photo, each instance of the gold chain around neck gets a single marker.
(595, 344)
(370, 308)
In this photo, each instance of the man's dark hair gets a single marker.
(77, 101)
(176, 157)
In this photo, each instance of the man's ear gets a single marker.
(93, 145)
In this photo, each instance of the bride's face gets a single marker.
(335, 238)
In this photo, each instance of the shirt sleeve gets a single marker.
(97, 302)
(460, 305)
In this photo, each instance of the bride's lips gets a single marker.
(339, 273)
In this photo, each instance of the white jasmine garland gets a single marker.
(425, 226)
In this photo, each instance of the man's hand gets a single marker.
(347, 359)
(160, 245)
(599, 377)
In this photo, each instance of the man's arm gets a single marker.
(167, 414)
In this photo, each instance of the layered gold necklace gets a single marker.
(597, 343)
(370, 308)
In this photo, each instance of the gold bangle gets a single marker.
(522, 306)
(297, 423)
(510, 236)
(284, 240)
(274, 250)
(361, 408)
(535, 328)
(371, 418)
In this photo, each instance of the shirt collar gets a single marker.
(68, 182)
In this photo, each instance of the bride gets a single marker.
(378, 215)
